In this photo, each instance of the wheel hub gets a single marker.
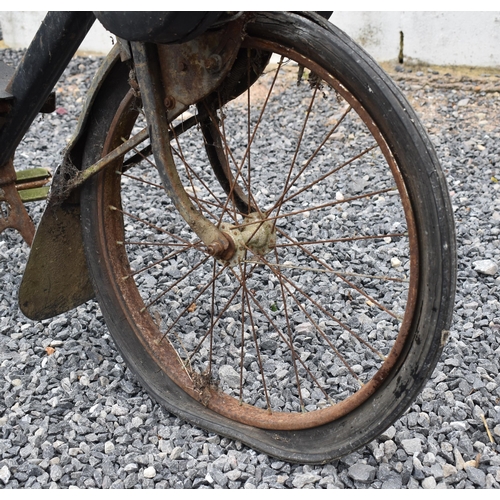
(255, 234)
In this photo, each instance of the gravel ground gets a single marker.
(72, 415)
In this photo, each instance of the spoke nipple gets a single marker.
(119, 242)
(125, 277)
(142, 310)
(111, 207)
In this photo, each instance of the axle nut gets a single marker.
(169, 102)
(215, 248)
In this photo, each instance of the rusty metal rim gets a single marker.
(168, 359)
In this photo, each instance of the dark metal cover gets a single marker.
(157, 27)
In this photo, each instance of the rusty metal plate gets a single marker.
(56, 278)
(191, 70)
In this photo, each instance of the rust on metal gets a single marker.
(13, 213)
(56, 277)
(154, 71)
(223, 248)
(208, 393)
(32, 178)
(191, 70)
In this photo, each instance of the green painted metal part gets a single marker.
(30, 184)
(34, 194)
(32, 174)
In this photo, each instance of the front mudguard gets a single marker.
(56, 278)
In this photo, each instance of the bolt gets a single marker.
(215, 248)
(169, 102)
(223, 248)
(213, 63)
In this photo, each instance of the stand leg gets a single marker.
(13, 214)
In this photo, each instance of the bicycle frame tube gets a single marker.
(50, 51)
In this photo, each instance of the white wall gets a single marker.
(443, 38)
(18, 28)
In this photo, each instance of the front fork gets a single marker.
(171, 78)
(154, 100)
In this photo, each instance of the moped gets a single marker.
(259, 213)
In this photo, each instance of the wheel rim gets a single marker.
(318, 337)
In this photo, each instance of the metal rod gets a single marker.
(49, 53)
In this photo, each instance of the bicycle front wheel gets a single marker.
(330, 317)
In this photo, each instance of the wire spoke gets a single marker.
(159, 244)
(325, 176)
(284, 339)
(354, 287)
(219, 316)
(162, 294)
(342, 240)
(210, 330)
(202, 291)
(279, 203)
(257, 349)
(155, 263)
(290, 336)
(140, 179)
(320, 307)
(149, 224)
(315, 153)
(332, 203)
(147, 151)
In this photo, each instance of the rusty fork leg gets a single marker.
(147, 68)
(13, 214)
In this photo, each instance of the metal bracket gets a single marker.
(13, 214)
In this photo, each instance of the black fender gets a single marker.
(56, 277)
(157, 27)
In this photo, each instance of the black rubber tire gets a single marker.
(346, 61)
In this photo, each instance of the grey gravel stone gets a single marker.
(486, 267)
(477, 476)
(393, 483)
(229, 376)
(71, 405)
(56, 472)
(150, 473)
(362, 473)
(429, 483)
(301, 480)
(109, 447)
(449, 470)
(412, 446)
(4, 474)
